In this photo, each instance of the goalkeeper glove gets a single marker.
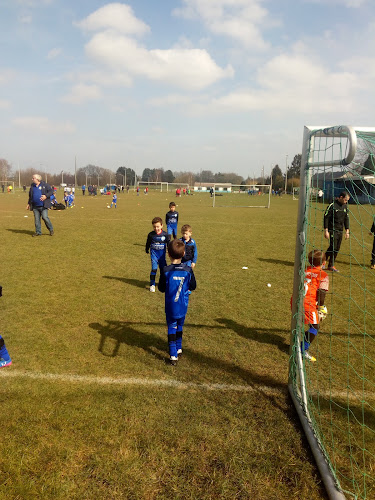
(322, 312)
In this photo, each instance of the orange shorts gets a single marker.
(311, 316)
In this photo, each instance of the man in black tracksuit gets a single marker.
(336, 218)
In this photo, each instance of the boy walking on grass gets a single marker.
(171, 219)
(191, 252)
(114, 199)
(157, 241)
(176, 281)
(316, 286)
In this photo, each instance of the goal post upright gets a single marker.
(297, 382)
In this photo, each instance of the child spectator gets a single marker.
(157, 241)
(372, 231)
(176, 281)
(191, 252)
(114, 199)
(66, 198)
(4, 355)
(316, 286)
(171, 219)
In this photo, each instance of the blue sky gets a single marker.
(222, 85)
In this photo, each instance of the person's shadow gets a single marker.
(21, 231)
(261, 335)
(124, 333)
(129, 281)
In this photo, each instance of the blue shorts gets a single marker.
(158, 261)
(172, 229)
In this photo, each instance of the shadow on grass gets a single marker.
(277, 261)
(130, 281)
(139, 245)
(21, 231)
(262, 335)
(124, 333)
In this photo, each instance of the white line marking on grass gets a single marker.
(87, 379)
(131, 381)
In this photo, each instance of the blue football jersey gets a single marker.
(171, 218)
(157, 243)
(176, 280)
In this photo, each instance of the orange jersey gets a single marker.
(315, 279)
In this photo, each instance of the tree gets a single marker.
(5, 169)
(295, 169)
(277, 177)
(127, 175)
(168, 176)
(146, 175)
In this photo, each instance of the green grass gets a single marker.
(77, 304)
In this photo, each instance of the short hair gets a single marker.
(176, 249)
(317, 257)
(185, 228)
(172, 204)
(344, 194)
(156, 220)
(37, 176)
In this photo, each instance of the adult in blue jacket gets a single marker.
(39, 202)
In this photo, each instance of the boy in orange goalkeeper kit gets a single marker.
(316, 285)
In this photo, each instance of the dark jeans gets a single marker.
(335, 239)
(373, 253)
(41, 212)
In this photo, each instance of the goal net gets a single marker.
(335, 395)
(236, 195)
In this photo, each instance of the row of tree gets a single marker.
(93, 174)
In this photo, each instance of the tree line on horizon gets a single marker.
(93, 174)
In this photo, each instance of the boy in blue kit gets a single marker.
(157, 241)
(176, 281)
(4, 355)
(114, 199)
(171, 219)
(191, 252)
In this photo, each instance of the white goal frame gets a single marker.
(295, 193)
(242, 190)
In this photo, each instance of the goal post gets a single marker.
(241, 195)
(335, 396)
(295, 193)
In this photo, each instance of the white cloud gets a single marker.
(25, 19)
(81, 93)
(53, 53)
(346, 3)
(170, 100)
(114, 16)
(6, 75)
(241, 20)
(295, 84)
(103, 78)
(4, 104)
(43, 124)
(185, 68)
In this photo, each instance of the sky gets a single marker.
(185, 85)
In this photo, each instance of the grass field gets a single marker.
(90, 407)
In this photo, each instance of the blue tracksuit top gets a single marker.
(157, 243)
(191, 252)
(171, 218)
(176, 280)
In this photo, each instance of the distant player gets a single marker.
(316, 285)
(191, 252)
(171, 219)
(156, 244)
(5, 359)
(176, 281)
(114, 199)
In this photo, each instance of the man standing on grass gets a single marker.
(336, 218)
(39, 202)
